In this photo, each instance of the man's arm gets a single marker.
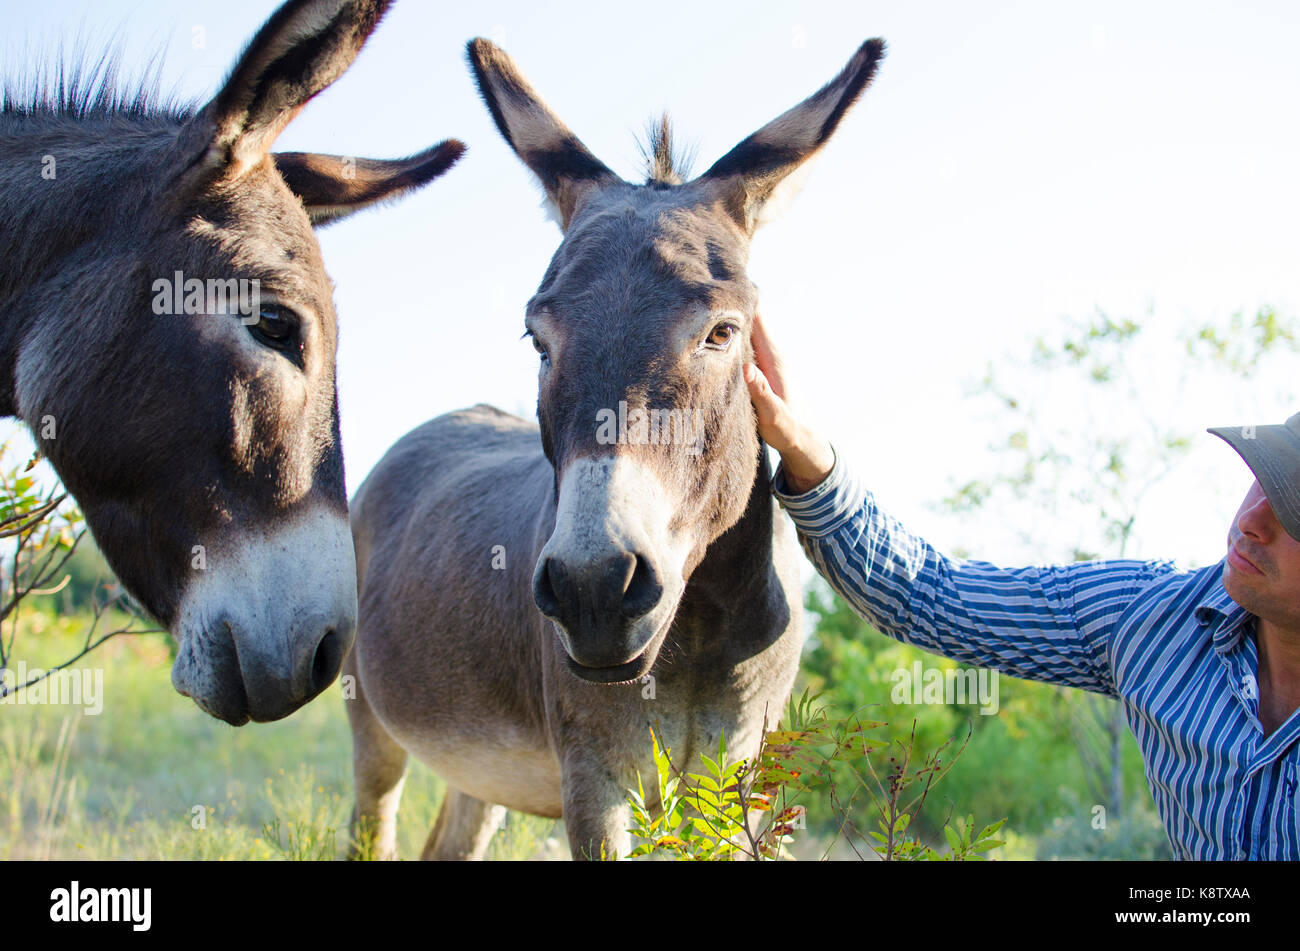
(1051, 624)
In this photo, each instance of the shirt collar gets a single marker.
(1222, 616)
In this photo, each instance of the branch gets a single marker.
(22, 521)
(6, 691)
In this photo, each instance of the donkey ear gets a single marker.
(332, 187)
(305, 46)
(752, 174)
(563, 165)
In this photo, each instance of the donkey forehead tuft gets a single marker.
(666, 161)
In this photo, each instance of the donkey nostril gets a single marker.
(325, 665)
(549, 579)
(643, 590)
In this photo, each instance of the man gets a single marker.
(1205, 663)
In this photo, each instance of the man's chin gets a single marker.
(1243, 588)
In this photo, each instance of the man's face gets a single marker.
(1262, 571)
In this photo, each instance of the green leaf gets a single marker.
(702, 827)
(992, 829)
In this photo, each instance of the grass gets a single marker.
(153, 777)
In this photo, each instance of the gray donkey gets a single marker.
(167, 331)
(530, 607)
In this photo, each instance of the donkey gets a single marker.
(530, 607)
(168, 333)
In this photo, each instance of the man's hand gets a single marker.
(806, 456)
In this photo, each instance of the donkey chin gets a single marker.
(247, 654)
(593, 666)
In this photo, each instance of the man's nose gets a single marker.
(1259, 520)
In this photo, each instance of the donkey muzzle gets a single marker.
(599, 605)
(609, 576)
(265, 624)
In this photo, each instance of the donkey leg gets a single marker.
(463, 830)
(597, 816)
(378, 770)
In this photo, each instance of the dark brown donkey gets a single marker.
(530, 606)
(167, 331)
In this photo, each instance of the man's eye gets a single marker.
(721, 336)
(278, 330)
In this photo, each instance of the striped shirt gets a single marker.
(1170, 645)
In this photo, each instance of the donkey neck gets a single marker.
(736, 575)
(66, 186)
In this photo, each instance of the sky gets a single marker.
(1012, 166)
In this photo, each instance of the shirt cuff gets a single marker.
(825, 508)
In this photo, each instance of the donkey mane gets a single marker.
(666, 161)
(82, 84)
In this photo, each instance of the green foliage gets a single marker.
(1087, 433)
(43, 535)
(89, 580)
(43, 530)
(895, 837)
(962, 846)
(1023, 763)
(751, 808)
(704, 821)
(1080, 833)
(300, 841)
(1240, 345)
(847, 660)
(122, 785)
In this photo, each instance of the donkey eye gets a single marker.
(277, 329)
(721, 336)
(537, 345)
